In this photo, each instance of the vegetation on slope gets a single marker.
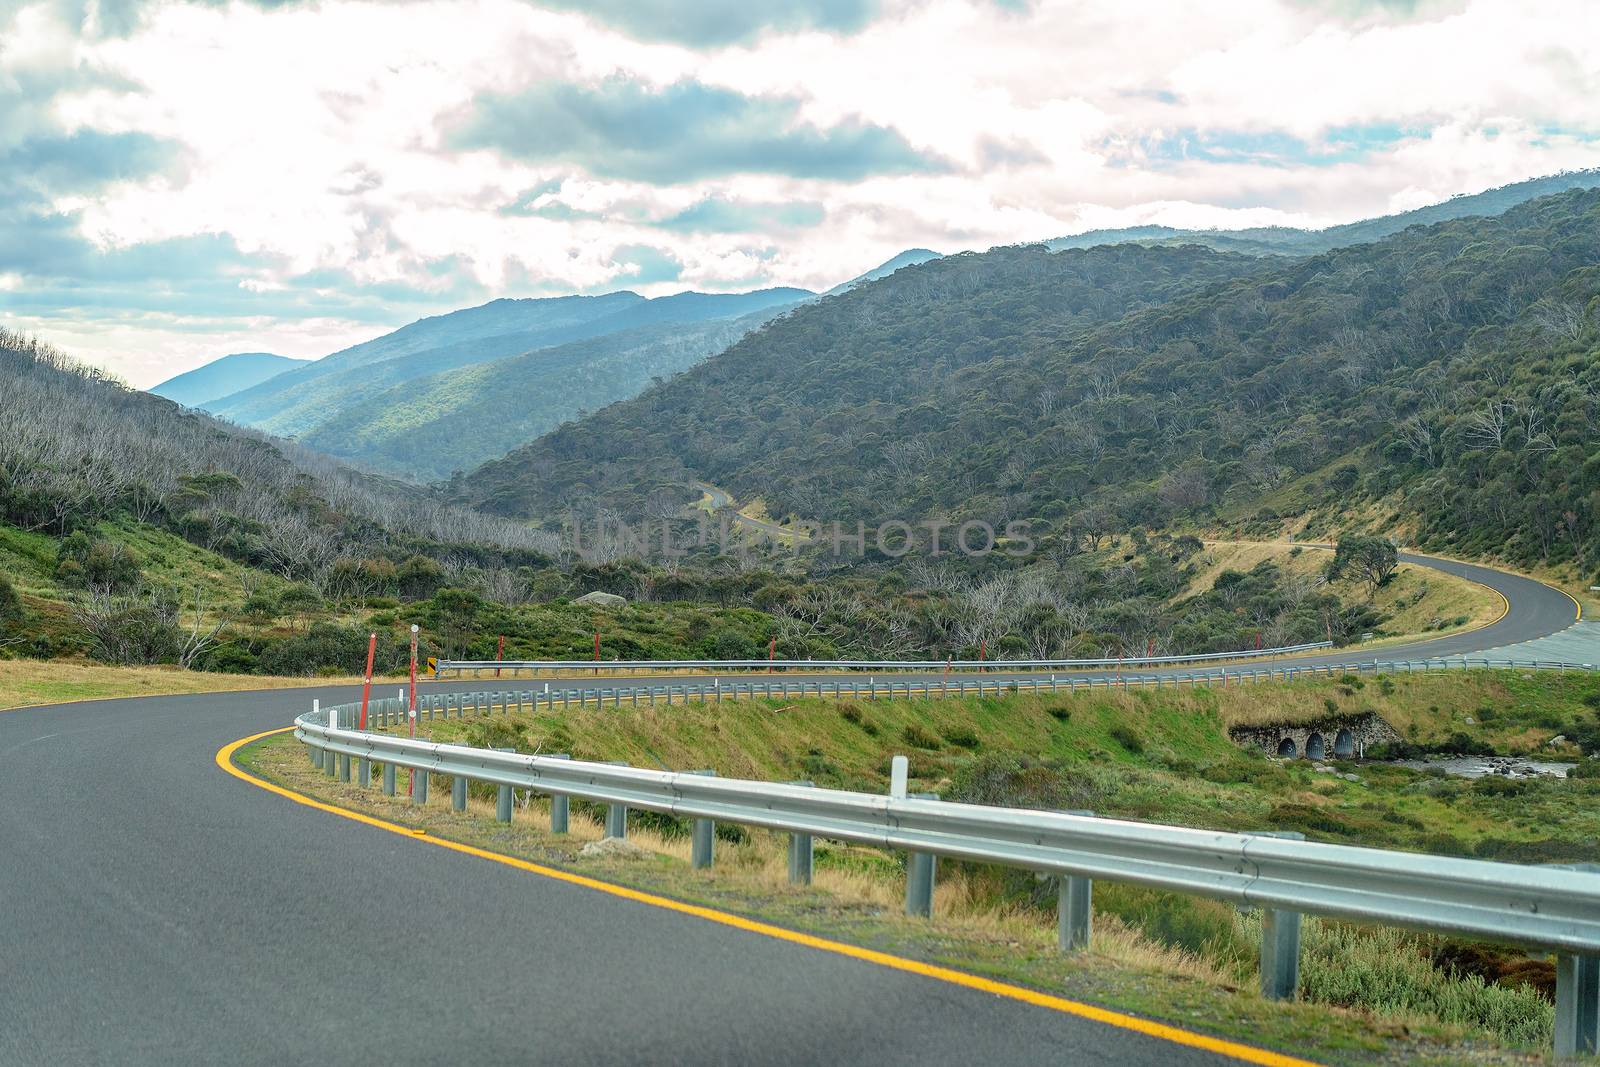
(848, 383)
(1452, 368)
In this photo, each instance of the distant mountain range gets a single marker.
(1288, 241)
(430, 427)
(220, 377)
(445, 394)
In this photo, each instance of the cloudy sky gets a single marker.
(179, 180)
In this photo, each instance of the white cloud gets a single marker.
(316, 138)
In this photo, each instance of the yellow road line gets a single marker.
(1220, 1046)
(1575, 603)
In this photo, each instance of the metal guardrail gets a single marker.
(1553, 909)
(565, 694)
(886, 666)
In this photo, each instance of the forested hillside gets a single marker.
(822, 393)
(134, 512)
(1449, 370)
(134, 531)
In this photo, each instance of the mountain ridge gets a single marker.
(1292, 241)
(223, 376)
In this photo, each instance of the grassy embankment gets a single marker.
(1156, 756)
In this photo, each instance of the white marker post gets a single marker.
(899, 769)
(411, 711)
(412, 708)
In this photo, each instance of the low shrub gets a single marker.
(1016, 780)
(1389, 972)
(1127, 737)
(962, 736)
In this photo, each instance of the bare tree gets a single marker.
(199, 634)
(1486, 428)
(1565, 319)
(1418, 436)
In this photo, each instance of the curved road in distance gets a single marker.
(158, 910)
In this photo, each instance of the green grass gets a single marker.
(1154, 755)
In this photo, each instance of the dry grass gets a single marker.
(1416, 601)
(27, 682)
(853, 879)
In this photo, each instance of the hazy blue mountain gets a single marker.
(909, 258)
(295, 402)
(317, 395)
(417, 430)
(1288, 241)
(229, 374)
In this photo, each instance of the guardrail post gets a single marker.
(617, 814)
(921, 871)
(560, 804)
(364, 772)
(703, 841)
(344, 767)
(616, 820)
(1280, 942)
(1577, 995)
(388, 779)
(802, 852)
(419, 785)
(1577, 1005)
(503, 797)
(1074, 912)
(458, 793)
(1280, 953)
(1074, 907)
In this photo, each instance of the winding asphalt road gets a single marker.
(157, 910)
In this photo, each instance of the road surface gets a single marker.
(158, 910)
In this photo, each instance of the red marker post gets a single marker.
(597, 652)
(772, 650)
(366, 686)
(500, 654)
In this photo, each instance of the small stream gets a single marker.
(1483, 766)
